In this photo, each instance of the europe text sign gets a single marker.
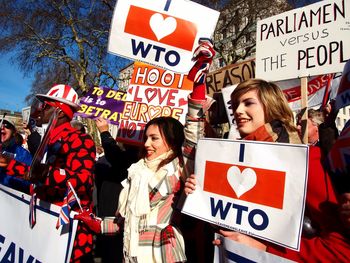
(153, 92)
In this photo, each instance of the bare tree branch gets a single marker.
(60, 41)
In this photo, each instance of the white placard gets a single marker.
(163, 33)
(307, 41)
(257, 188)
(231, 251)
(43, 242)
(26, 114)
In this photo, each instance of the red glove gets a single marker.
(203, 55)
(90, 220)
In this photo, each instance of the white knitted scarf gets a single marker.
(134, 203)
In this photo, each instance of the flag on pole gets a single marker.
(69, 200)
(327, 91)
(32, 204)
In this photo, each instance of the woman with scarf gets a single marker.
(148, 201)
(262, 113)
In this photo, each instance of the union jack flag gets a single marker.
(69, 200)
(339, 161)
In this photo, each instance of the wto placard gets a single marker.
(308, 41)
(43, 242)
(163, 33)
(231, 251)
(251, 187)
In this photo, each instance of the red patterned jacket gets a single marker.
(71, 156)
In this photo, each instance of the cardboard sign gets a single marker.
(102, 101)
(43, 242)
(230, 75)
(304, 42)
(252, 187)
(163, 33)
(232, 251)
(152, 93)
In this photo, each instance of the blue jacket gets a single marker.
(22, 155)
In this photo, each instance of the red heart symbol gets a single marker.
(150, 94)
(130, 90)
(182, 102)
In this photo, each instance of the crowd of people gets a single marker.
(138, 216)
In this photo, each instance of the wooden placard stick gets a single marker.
(304, 108)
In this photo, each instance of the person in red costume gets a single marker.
(262, 114)
(70, 156)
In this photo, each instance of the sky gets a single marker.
(14, 87)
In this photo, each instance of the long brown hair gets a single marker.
(271, 97)
(172, 131)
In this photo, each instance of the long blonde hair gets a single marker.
(271, 97)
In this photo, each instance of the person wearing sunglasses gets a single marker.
(65, 155)
(12, 149)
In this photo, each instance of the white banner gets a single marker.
(257, 188)
(307, 41)
(163, 33)
(316, 88)
(44, 243)
(231, 251)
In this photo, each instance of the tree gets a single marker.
(61, 41)
(235, 33)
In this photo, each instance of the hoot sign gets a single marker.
(160, 32)
(152, 93)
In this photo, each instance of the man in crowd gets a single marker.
(70, 157)
(314, 120)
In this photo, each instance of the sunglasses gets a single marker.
(43, 106)
(7, 125)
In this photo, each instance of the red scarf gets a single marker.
(274, 132)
